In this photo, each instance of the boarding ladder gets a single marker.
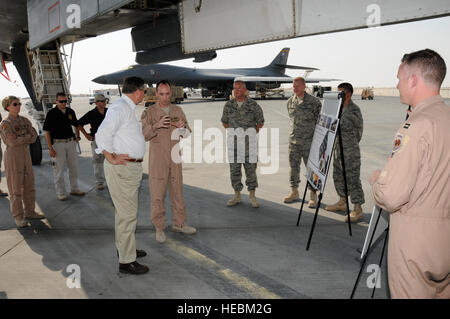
(50, 73)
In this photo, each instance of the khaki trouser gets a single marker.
(171, 174)
(1, 156)
(123, 184)
(66, 154)
(97, 161)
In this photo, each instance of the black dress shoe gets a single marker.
(133, 268)
(139, 253)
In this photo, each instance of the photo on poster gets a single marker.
(325, 152)
(334, 124)
(328, 122)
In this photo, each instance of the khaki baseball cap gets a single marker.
(99, 97)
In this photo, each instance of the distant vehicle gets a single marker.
(178, 95)
(105, 93)
(268, 94)
(192, 93)
(319, 90)
(367, 93)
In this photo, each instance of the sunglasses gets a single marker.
(62, 101)
(17, 104)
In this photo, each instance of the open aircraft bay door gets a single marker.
(51, 19)
(216, 24)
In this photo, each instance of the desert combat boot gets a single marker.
(313, 199)
(292, 197)
(253, 199)
(355, 215)
(340, 205)
(235, 200)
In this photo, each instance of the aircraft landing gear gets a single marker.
(227, 94)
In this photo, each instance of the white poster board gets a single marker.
(323, 141)
(383, 223)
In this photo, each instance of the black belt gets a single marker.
(63, 140)
(135, 160)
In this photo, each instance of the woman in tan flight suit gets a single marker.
(17, 133)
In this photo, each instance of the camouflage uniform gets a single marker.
(303, 116)
(247, 116)
(351, 124)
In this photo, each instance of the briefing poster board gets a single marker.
(323, 141)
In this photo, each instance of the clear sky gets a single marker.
(367, 57)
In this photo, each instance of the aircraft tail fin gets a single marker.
(281, 58)
(280, 63)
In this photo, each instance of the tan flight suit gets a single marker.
(18, 133)
(162, 170)
(1, 154)
(414, 186)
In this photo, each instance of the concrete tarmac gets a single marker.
(238, 252)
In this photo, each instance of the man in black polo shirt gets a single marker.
(62, 142)
(95, 117)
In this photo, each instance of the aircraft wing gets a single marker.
(280, 79)
(317, 80)
(297, 67)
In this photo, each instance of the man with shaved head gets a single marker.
(414, 185)
(304, 110)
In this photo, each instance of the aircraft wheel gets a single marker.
(36, 152)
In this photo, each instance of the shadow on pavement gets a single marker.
(260, 245)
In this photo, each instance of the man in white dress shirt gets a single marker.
(120, 139)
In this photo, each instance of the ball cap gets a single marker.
(99, 97)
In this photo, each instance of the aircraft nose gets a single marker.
(100, 80)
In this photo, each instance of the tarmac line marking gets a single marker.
(236, 279)
(17, 244)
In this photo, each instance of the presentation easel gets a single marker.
(374, 233)
(341, 96)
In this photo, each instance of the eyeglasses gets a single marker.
(62, 101)
(101, 101)
(17, 104)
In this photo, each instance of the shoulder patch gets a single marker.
(400, 141)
